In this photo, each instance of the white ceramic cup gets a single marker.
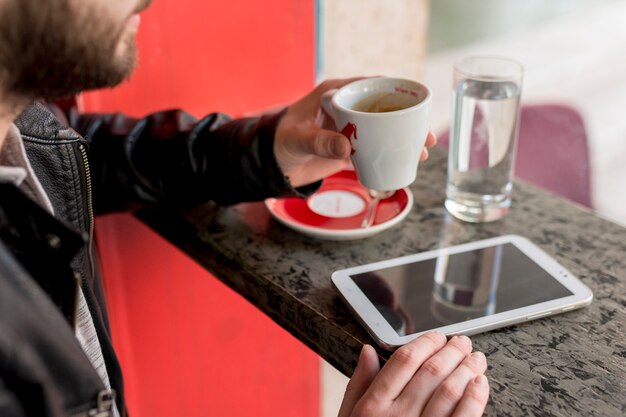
(386, 145)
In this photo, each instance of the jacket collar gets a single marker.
(39, 123)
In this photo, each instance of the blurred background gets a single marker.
(188, 344)
(573, 52)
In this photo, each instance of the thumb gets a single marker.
(325, 144)
(365, 372)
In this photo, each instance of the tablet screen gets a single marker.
(454, 288)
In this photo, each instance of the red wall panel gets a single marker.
(233, 56)
(188, 344)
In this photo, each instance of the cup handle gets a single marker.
(326, 102)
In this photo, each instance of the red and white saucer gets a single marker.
(336, 210)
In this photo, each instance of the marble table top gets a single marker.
(572, 364)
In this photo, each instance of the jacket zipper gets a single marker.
(104, 405)
(106, 398)
(83, 153)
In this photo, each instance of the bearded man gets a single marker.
(58, 170)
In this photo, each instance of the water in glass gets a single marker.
(482, 149)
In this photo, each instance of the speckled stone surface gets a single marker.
(573, 364)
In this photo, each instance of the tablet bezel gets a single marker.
(388, 338)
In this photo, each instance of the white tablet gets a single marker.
(464, 289)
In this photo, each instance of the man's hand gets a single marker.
(427, 377)
(307, 152)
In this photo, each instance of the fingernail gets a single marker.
(480, 380)
(478, 356)
(462, 339)
(362, 351)
(436, 337)
(339, 146)
(440, 336)
(359, 360)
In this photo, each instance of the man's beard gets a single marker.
(49, 50)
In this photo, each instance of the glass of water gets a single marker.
(483, 135)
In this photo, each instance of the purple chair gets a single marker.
(552, 151)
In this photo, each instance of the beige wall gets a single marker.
(373, 37)
(368, 37)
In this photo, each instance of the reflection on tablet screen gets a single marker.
(454, 288)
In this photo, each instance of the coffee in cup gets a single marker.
(385, 102)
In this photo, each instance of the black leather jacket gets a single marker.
(115, 163)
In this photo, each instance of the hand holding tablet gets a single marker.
(427, 377)
(464, 289)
